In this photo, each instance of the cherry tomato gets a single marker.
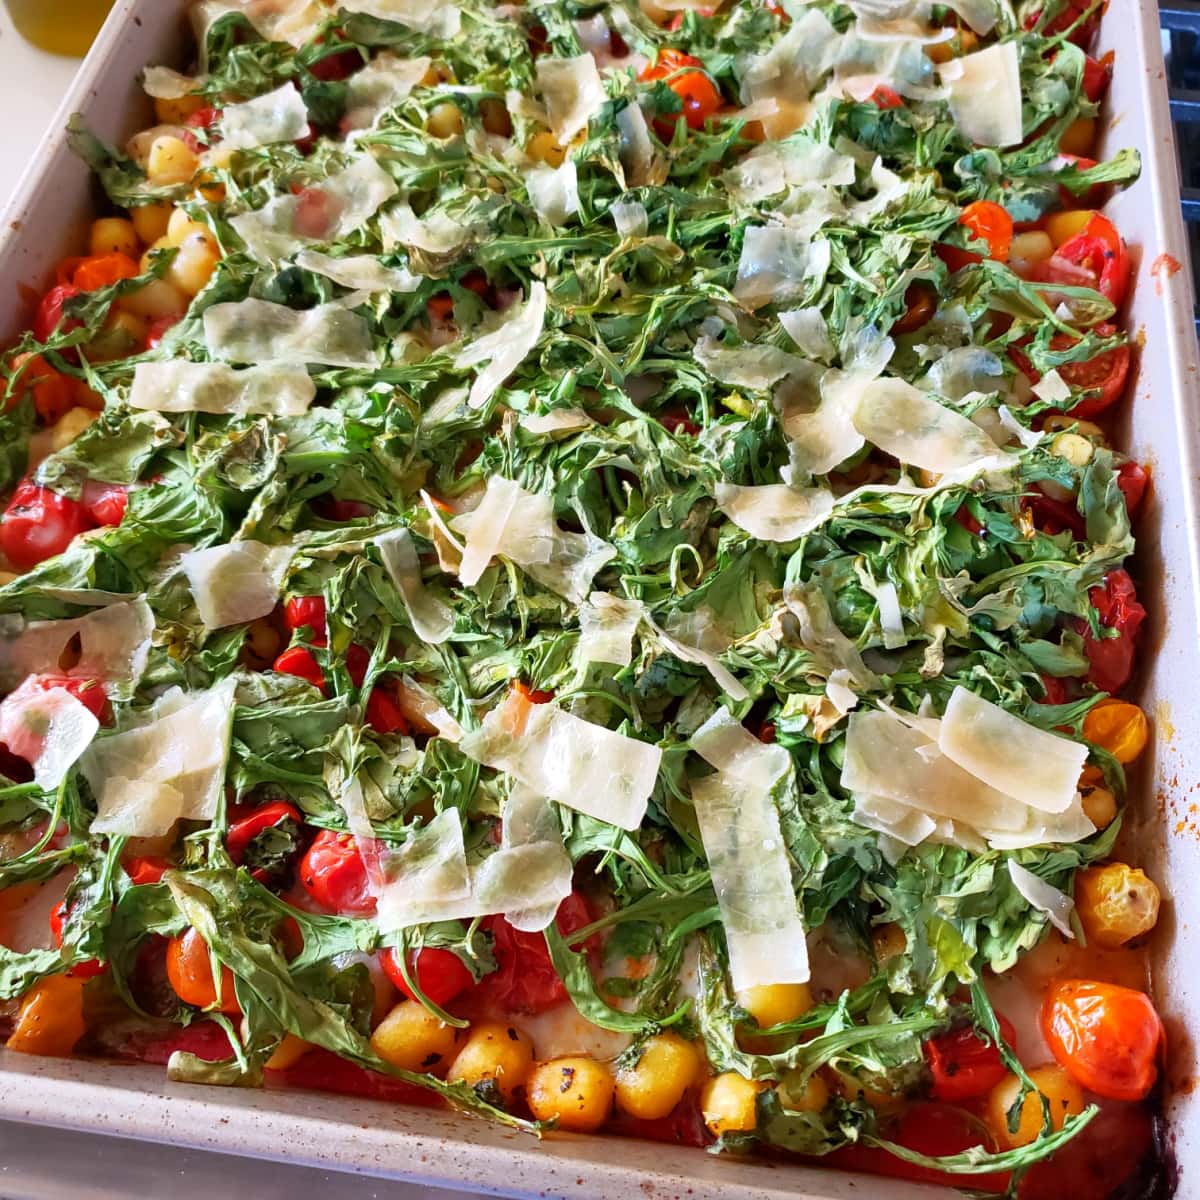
(89, 692)
(49, 316)
(1096, 76)
(54, 394)
(357, 662)
(1111, 658)
(525, 980)
(884, 98)
(106, 503)
(963, 1065)
(697, 91)
(935, 1130)
(88, 969)
(315, 214)
(335, 67)
(991, 223)
(158, 328)
(1082, 36)
(332, 872)
(678, 420)
(246, 823)
(1107, 1037)
(531, 694)
(920, 301)
(323, 1071)
(1093, 197)
(330, 508)
(964, 518)
(203, 118)
(102, 270)
(440, 974)
(1100, 379)
(299, 661)
(440, 307)
(39, 523)
(1055, 689)
(189, 971)
(384, 715)
(1132, 479)
(1097, 255)
(301, 611)
(146, 870)
(1052, 516)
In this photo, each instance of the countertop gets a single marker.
(47, 1164)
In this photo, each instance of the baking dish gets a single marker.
(53, 202)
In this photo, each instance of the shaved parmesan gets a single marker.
(291, 21)
(435, 233)
(437, 19)
(430, 709)
(807, 328)
(985, 94)
(891, 619)
(823, 434)
(722, 676)
(778, 264)
(383, 83)
(831, 649)
(1052, 388)
(1043, 896)
(236, 582)
(607, 625)
(169, 767)
(178, 386)
(752, 366)
(743, 841)
(1027, 437)
(113, 645)
(572, 91)
(638, 159)
(161, 83)
(906, 825)
(775, 512)
(426, 879)
(582, 766)
(257, 331)
(533, 859)
(431, 620)
(48, 727)
(341, 204)
(505, 348)
(1040, 768)
(278, 116)
(360, 271)
(508, 521)
(554, 192)
(575, 558)
(913, 427)
(557, 420)
(629, 216)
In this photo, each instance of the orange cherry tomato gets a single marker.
(697, 91)
(991, 223)
(1107, 1037)
(54, 394)
(103, 269)
(189, 971)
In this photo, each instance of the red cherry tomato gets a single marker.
(106, 503)
(142, 871)
(336, 67)
(203, 118)
(384, 715)
(1101, 380)
(301, 611)
(357, 662)
(697, 91)
(246, 823)
(299, 661)
(39, 523)
(88, 969)
(54, 394)
(525, 980)
(1096, 257)
(1107, 1037)
(1055, 689)
(332, 872)
(920, 305)
(678, 420)
(1096, 76)
(49, 316)
(158, 328)
(89, 692)
(1082, 37)
(533, 695)
(1111, 658)
(884, 97)
(1052, 516)
(329, 508)
(963, 1065)
(189, 971)
(323, 1071)
(1132, 479)
(440, 974)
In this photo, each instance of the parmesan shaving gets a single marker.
(572, 91)
(431, 620)
(985, 94)
(237, 582)
(278, 116)
(505, 348)
(360, 271)
(1043, 896)
(177, 386)
(775, 512)
(48, 727)
(257, 331)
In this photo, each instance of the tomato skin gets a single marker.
(49, 315)
(102, 270)
(1099, 250)
(332, 872)
(695, 89)
(245, 828)
(1053, 516)
(329, 508)
(189, 972)
(440, 974)
(1081, 37)
(87, 969)
(39, 523)
(1133, 479)
(525, 980)
(962, 1065)
(357, 662)
(321, 1070)
(146, 870)
(920, 302)
(954, 257)
(158, 329)
(677, 420)
(990, 222)
(106, 503)
(1111, 658)
(885, 97)
(89, 692)
(54, 394)
(1101, 379)
(203, 118)
(1097, 73)
(1107, 1037)
(384, 715)
(300, 661)
(333, 68)
(531, 694)
(307, 610)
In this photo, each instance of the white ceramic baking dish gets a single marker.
(46, 221)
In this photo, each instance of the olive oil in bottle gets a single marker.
(60, 26)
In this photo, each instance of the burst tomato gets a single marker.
(440, 974)
(302, 611)
(300, 661)
(693, 86)
(920, 301)
(333, 873)
(248, 822)
(106, 503)
(89, 968)
(189, 971)
(1099, 381)
(39, 523)
(1095, 257)
(963, 1065)
(1111, 658)
(48, 319)
(1107, 1037)
(144, 870)
(1132, 479)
